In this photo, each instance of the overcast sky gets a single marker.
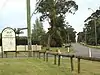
(13, 13)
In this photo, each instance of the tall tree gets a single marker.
(91, 31)
(92, 28)
(54, 11)
(71, 34)
(38, 32)
(80, 37)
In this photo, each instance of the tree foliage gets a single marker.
(54, 8)
(38, 32)
(54, 11)
(89, 30)
(71, 34)
(17, 31)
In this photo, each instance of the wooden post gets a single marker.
(6, 54)
(2, 54)
(55, 59)
(71, 59)
(78, 65)
(58, 60)
(16, 49)
(2, 51)
(15, 53)
(39, 55)
(46, 57)
(25, 47)
(33, 53)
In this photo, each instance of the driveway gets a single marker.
(84, 51)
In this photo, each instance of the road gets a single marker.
(84, 51)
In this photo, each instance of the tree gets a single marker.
(80, 37)
(17, 32)
(54, 11)
(91, 31)
(71, 34)
(38, 32)
(92, 27)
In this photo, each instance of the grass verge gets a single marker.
(62, 49)
(96, 47)
(34, 66)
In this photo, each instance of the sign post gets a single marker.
(8, 40)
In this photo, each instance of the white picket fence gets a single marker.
(25, 47)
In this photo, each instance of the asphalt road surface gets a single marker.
(84, 51)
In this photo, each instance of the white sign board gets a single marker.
(8, 39)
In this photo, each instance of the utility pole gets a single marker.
(85, 37)
(68, 37)
(29, 27)
(95, 31)
(94, 27)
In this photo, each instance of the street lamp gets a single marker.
(95, 26)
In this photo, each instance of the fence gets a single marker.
(25, 47)
(21, 49)
(45, 55)
(55, 54)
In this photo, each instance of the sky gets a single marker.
(13, 14)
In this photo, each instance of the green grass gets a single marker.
(35, 66)
(29, 66)
(62, 49)
(97, 47)
(91, 46)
